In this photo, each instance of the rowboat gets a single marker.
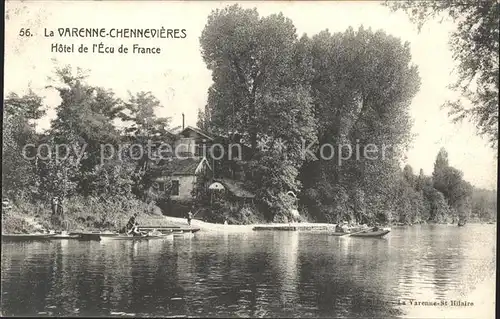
(64, 236)
(373, 233)
(146, 237)
(21, 237)
(370, 232)
(86, 236)
(174, 229)
(350, 230)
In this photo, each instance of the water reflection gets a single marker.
(256, 274)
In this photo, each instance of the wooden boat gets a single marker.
(174, 229)
(275, 227)
(92, 235)
(368, 232)
(145, 237)
(372, 233)
(349, 231)
(22, 237)
(185, 230)
(64, 236)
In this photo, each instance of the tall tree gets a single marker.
(258, 92)
(19, 120)
(449, 181)
(441, 161)
(475, 48)
(85, 120)
(146, 130)
(362, 87)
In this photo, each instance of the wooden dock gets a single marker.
(296, 227)
(173, 229)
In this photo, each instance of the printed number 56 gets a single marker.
(25, 32)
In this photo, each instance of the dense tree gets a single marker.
(18, 170)
(475, 48)
(258, 93)
(85, 120)
(362, 86)
(147, 132)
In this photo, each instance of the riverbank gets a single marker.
(27, 224)
(83, 214)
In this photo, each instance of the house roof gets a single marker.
(197, 130)
(186, 166)
(236, 188)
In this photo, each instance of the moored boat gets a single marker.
(174, 229)
(380, 232)
(362, 232)
(145, 237)
(92, 235)
(64, 236)
(21, 237)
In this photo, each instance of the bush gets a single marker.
(16, 225)
(84, 213)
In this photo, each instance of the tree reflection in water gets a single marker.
(272, 274)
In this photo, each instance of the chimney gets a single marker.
(182, 121)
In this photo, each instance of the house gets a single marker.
(188, 167)
(179, 178)
(197, 159)
(235, 190)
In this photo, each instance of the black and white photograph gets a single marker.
(256, 159)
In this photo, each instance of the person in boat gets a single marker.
(134, 231)
(342, 227)
(130, 224)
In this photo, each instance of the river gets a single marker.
(256, 274)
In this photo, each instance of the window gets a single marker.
(161, 187)
(175, 188)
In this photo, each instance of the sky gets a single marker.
(179, 78)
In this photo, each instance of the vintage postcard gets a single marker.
(250, 159)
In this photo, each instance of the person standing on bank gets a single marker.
(189, 217)
(53, 204)
(60, 208)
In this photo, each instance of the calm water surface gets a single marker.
(257, 274)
